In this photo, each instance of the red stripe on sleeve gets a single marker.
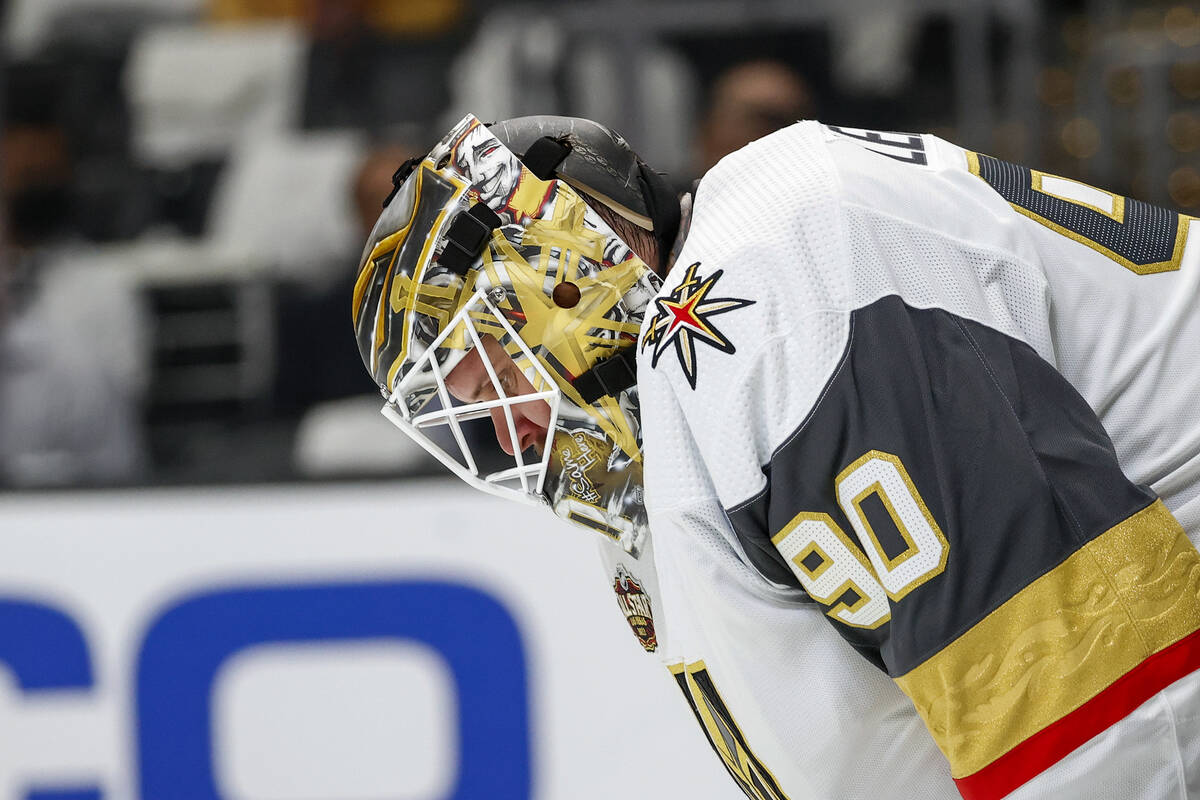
(1054, 742)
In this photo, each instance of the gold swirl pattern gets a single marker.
(1124, 596)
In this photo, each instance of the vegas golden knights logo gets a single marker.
(723, 733)
(685, 317)
(635, 605)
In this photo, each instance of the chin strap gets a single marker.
(609, 377)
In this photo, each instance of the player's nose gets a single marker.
(529, 433)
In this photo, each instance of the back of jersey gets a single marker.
(1106, 288)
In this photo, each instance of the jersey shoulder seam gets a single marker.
(842, 361)
(995, 381)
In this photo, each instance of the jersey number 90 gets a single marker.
(857, 582)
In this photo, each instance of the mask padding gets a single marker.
(662, 203)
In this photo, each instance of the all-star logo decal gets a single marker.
(684, 317)
(635, 605)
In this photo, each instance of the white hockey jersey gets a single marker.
(918, 427)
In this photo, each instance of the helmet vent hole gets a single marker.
(443, 161)
(566, 295)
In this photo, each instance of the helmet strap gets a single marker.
(608, 377)
(399, 177)
(543, 157)
(467, 236)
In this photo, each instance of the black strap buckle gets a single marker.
(399, 177)
(543, 157)
(467, 236)
(609, 377)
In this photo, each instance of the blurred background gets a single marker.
(185, 187)
(187, 183)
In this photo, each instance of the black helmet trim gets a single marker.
(400, 176)
(599, 162)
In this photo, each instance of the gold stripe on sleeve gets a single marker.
(1124, 596)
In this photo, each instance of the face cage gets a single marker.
(522, 482)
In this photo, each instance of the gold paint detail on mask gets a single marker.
(399, 295)
(573, 339)
(1124, 596)
(530, 194)
(578, 453)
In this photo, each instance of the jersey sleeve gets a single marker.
(788, 707)
(944, 493)
(959, 512)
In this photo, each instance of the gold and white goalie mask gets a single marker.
(476, 263)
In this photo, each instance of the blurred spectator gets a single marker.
(284, 201)
(374, 181)
(33, 26)
(70, 372)
(318, 358)
(37, 162)
(378, 65)
(746, 102)
(320, 379)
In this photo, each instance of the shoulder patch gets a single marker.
(635, 605)
(684, 317)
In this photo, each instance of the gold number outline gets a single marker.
(837, 607)
(873, 540)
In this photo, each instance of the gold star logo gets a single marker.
(683, 318)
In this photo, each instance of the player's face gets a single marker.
(469, 382)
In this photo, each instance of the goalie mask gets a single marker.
(494, 262)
